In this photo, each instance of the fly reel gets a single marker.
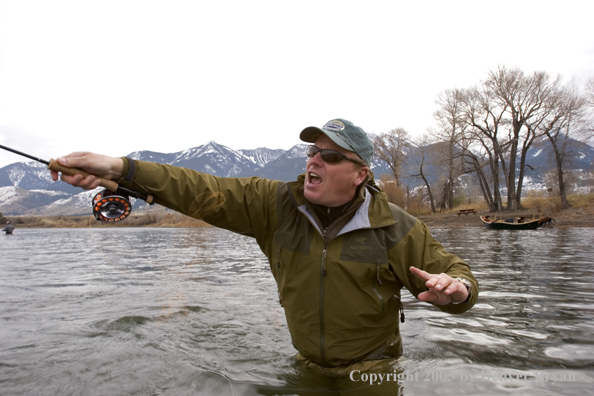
(110, 207)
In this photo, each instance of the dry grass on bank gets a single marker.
(538, 203)
(542, 203)
(156, 218)
(580, 214)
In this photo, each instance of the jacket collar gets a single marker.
(374, 212)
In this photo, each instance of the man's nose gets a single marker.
(316, 159)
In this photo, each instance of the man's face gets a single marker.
(332, 184)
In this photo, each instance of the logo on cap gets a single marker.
(334, 125)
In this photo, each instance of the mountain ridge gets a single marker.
(26, 188)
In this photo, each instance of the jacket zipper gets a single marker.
(379, 283)
(401, 306)
(279, 274)
(278, 262)
(377, 273)
(311, 216)
(322, 327)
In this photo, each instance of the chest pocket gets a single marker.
(367, 252)
(292, 243)
(365, 246)
(295, 233)
(291, 263)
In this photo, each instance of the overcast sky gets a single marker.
(120, 76)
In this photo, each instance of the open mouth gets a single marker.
(314, 178)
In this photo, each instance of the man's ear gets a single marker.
(361, 175)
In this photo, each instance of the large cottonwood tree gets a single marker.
(525, 97)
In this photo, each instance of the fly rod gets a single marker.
(109, 205)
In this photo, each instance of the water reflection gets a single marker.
(195, 311)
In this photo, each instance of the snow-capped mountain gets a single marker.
(27, 188)
(262, 156)
(28, 175)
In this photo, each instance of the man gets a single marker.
(339, 252)
(9, 228)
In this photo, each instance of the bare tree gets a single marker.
(391, 148)
(589, 95)
(450, 129)
(524, 97)
(493, 126)
(486, 141)
(589, 92)
(477, 160)
(423, 150)
(565, 118)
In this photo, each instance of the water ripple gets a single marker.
(195, 311)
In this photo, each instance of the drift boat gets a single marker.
(515, 223)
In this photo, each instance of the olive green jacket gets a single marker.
(342, 294)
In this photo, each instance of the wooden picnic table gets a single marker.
(466, 212)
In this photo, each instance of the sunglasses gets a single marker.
(330, 156)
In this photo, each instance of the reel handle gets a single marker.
(106, 183)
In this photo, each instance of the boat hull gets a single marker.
(504, 225)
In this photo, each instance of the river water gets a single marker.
(143, 311)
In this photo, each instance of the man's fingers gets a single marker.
(88, 183)
(422, 275)
(452, 288)
(73, 160)
(434, 297)
(72, 180)
(427, 296)
(442, 288)
(439, 281)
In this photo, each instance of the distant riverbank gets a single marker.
(564, 218)
(581, 214)
(152, 218)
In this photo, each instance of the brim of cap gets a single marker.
(310, 134)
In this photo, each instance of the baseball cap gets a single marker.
(345, 134)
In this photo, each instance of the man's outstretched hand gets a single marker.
(443, 289)
(109, 168)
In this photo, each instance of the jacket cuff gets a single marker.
(129, 170)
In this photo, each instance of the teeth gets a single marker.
(311, 174)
